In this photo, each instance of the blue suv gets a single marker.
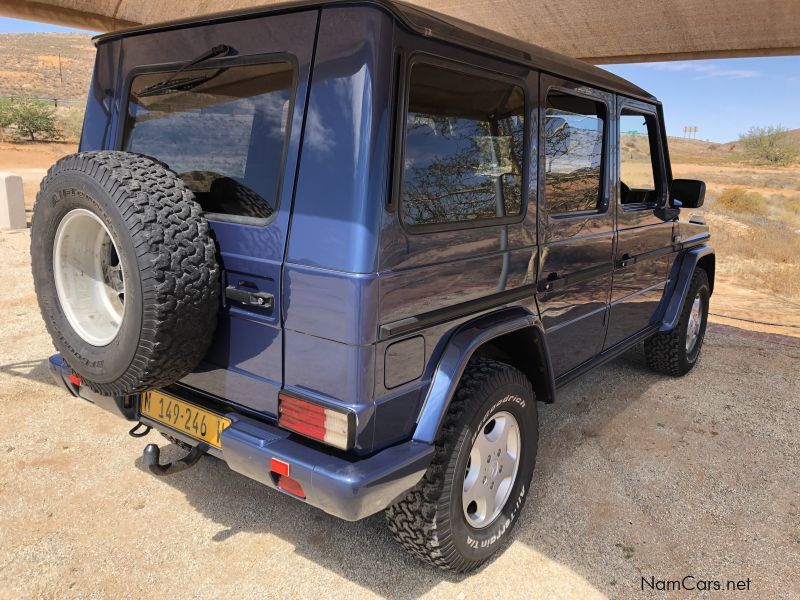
(346, 247)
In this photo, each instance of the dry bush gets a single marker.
(740, 200)
(760, 255)
(792, 205)
(70, 121)
(769, 145)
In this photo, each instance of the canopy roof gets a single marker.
(597, 32)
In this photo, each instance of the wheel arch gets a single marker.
(708, 263)
(509, 335)
(699, 257)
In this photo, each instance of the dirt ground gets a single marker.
(638, 476)
(31, 161)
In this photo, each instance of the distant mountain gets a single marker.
(29, 65)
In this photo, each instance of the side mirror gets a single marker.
(690, 193)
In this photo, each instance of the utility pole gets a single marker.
(60, 71)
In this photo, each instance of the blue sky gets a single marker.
(19, 26)
(723, 98)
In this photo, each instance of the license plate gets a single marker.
(196, 422)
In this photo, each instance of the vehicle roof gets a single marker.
(429, 24)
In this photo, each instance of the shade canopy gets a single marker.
(612, 31)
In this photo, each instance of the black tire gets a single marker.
(429, 521)
(666, 352)
(166, 248)
(236, 198)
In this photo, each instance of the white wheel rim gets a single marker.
(491, 470)
(89, 278)
(695, 321)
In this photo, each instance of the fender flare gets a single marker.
(463, 343)
(682, 276)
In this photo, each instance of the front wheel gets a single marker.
(462, 511)
(676, 352)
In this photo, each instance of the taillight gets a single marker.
(314, 421)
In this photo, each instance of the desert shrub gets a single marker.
(759, 255)
(6, 114)
(791, 204)
(70, 122)
(34, 117)
(740, 200)
(770, 145)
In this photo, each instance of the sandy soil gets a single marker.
(31, 161)
(638, 475)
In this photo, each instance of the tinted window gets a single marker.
(463, 148)
(573, 148)
(224, 132)
(638, 171)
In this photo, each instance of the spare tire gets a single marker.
(125, 270)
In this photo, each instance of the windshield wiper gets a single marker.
(172, 82)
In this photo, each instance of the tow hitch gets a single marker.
(152, 454)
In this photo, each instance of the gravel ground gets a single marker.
(638, 476)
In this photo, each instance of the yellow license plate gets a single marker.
(199, 423)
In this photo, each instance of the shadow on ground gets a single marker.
(352, 549)
(637, 475)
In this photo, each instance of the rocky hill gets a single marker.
(29, 65)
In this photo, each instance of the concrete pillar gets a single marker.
(12, 202)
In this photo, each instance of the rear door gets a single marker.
(644, 241)
(232, 134)
(576, 227)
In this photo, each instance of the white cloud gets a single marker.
(703, 70)
(318, 136)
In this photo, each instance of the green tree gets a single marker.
(769, 145)
(34, 117)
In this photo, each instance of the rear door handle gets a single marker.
(552, 282)
(257, 299)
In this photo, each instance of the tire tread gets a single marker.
(178, 269)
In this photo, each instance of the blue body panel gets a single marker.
(454, 360)
(346, 488)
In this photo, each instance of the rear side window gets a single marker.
(464, 146)
(223, 130)
(639, 160)
(574, 130)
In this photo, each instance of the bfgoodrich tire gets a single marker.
(488, 440)
(676, 352)
(125, 270)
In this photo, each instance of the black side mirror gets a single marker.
(690, 193)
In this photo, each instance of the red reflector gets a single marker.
(288, 484)
(74, 379)
(279, 467)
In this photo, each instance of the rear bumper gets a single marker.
(346, 488)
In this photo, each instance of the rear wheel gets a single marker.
(677, 351)
(462, 511)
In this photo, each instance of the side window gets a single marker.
(639, 165)
(464, 144)
(574, 130)
(223, 131)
